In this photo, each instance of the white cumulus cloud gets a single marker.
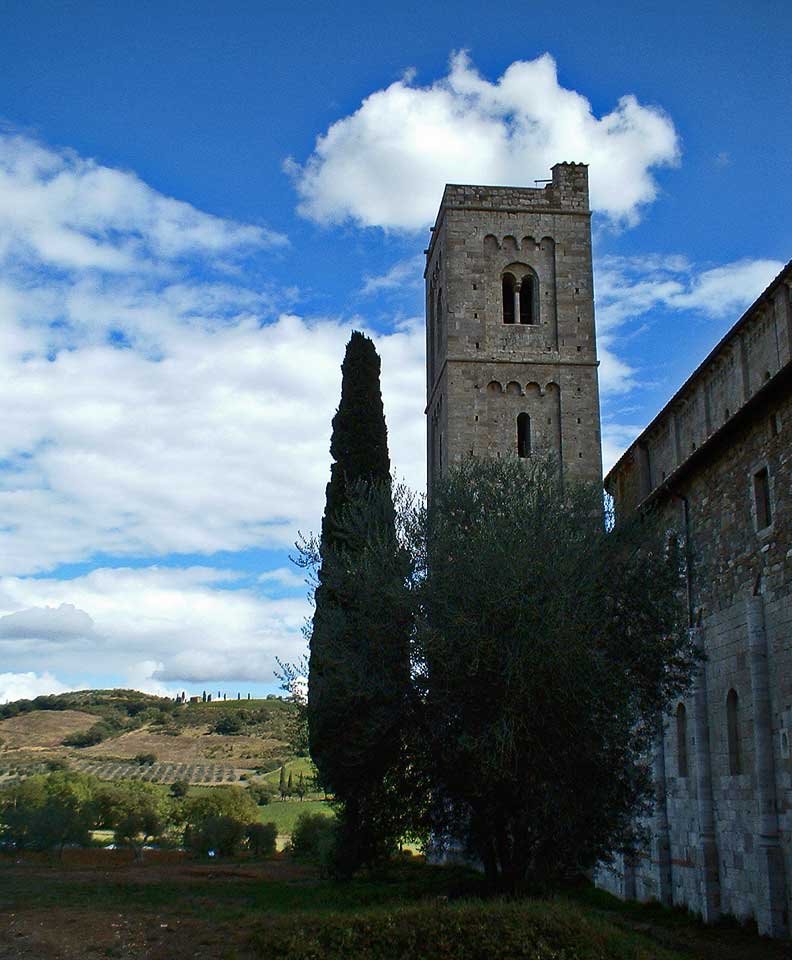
(159, 627)
(169, 408)
(386, 164)
(27, 685)
(64, 622)
(73, 213)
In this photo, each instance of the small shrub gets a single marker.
(227, 724)
(87, 738)
(219, 834)
(179, 789)
(262, 793)
(146, 759)
(313, 838)
(261, 839)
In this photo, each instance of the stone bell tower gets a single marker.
(510, 348)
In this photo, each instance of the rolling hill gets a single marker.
(118, 734)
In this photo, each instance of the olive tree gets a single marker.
(546, 647)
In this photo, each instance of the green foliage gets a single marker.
(228, 724)
(218, 834)
(261, 839)
(141, 814)
(219, 801)
(48, 812)
(179, 789)
(87, 738)
(115, 706)
(217, 819)
(262, 793)
(314, 838)
(465, 931)
(549, 650)
(145, 759)
(359, 657)
(544, 650)
(108, 804)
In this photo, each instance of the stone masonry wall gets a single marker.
(740, 403)
(482, 372)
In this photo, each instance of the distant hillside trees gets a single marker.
(50, 812)
(141, 816)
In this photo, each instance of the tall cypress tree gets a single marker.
(359, 666)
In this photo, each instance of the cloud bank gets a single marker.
(154, 626)
(167, 408)
(27, 685)
(386, 164)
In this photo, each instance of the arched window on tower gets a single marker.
(733, 732)
(508, 298)
(523, 435)
(682, 753)
(527, 300)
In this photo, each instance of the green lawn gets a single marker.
(302, 765)
(284, 813)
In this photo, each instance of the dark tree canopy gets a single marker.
(543, 651)
(359, 658)
(549, 649)
(359, 441)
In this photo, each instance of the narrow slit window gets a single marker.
(508, 298)
(733, 732)
(682, 754)
(526, 300)
(764, 508)
(432, 323)
(523, 436)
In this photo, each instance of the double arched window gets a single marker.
(520, 297)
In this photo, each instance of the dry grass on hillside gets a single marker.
(193, 744)
(42, 729)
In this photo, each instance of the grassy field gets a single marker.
(301, 765)
(98, 904)
(284, 813)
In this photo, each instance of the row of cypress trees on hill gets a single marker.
(359, 665)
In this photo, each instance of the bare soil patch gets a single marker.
(166, 907)
(42, 729)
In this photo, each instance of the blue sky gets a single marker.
(198, 202)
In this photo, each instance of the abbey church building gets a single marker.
(512, 371)
(717, 461)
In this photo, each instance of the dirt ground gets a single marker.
(98, 903)
(167, 907)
